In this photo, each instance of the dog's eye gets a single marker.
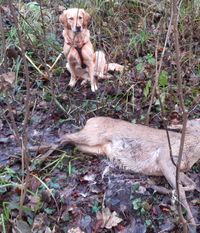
(80, 17)
(71, 18)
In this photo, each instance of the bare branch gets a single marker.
(25, 156)
(185, 113)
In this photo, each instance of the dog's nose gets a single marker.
(78, 28)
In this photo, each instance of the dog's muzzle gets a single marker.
(78, 28)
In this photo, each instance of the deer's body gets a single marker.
(135, 147)
(140, 148)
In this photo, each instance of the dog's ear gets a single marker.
(86, 19)
(63, 19)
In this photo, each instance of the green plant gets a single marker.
(150, 59)
(163, 79)
(140, 66)
(142, 207)
(2, 223)
(138, 40)
(135, 186)
(147, 88)
(96, 207)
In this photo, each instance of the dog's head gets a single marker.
(75, 19)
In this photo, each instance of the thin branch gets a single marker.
(185, 113)
(25, 156)
(45, 54)
(159, 68)
(4, 59)
(156, 89)
(4, 62)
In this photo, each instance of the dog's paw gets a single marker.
(72, 82)
(83, 82)
(94, 87)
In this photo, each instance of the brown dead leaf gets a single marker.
(5, 10)
(6, 80)
(109, 219)
(34, 202)
(33, 184)
(39, 223)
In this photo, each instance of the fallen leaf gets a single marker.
(109, 219)
(6, 80)
(39, 223)
(20, 226)
(34, 202)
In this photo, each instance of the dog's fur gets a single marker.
(141, 149)
(76, 35)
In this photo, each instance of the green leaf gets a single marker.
(142, 211)
(140, 67)
(137, 203)
(150, 59)
(147, 88)
(49, 210)
(163, 79)
(33, 38)
(96, 207)
(148, 222)
(136, 186)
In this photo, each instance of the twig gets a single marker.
(4, 59)
(45, 55)
(25, 156)
(11, 115)
(156, 89)
(159, 69)
(33, 64)
(57, 59)
(13, 122)
(185, 113)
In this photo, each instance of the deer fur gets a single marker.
(141, 149)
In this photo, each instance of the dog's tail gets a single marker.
(102, 67)
(114, 67)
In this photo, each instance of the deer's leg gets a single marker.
(94, 150)
(169, 171)
(74, 138)
(188, 183)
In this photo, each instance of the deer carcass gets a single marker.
(141, 149)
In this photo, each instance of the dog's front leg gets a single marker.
(73, 79)
(92, 78)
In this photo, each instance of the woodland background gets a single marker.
(66, 191)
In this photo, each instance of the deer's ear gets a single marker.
(63, 19)
(86, 19)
